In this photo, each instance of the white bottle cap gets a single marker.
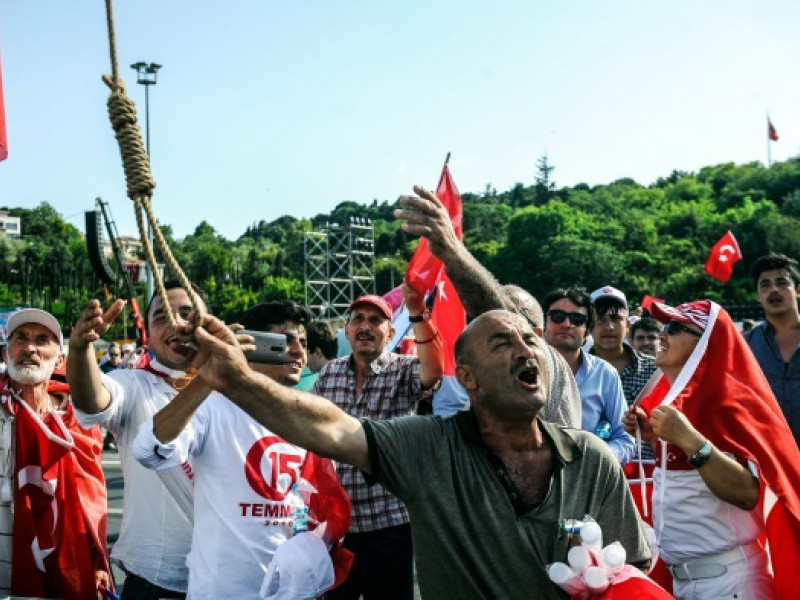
(578, 558)
(614, 555)
(596, 578)
(560, 573)
(592, 535)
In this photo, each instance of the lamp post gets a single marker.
(147, 75)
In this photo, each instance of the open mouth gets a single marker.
(365, 337)
(177, 346)
(774, 300)
(294, 364)
(529, 377)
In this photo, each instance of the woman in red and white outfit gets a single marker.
(726, 500)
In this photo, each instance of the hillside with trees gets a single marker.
(641, 238)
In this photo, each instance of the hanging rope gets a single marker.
(139, 179)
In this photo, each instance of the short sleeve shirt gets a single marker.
(473, 537)
(391, 390)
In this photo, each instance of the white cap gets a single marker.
(609, 292)
(34, 315)
(300, 568)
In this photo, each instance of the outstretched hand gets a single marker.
(426, 216)
(93, 323)
(220, 359)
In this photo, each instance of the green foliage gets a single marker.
(643, 239)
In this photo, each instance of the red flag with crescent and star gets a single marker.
(722, 257)
(426, 273)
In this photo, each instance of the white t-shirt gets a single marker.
(155, 535)
(694, 523)
(243, 477)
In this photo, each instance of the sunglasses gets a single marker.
(559, 316)
(113, 355)
(674, 328)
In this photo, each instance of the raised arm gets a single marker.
(175, 416)
(83, 374)
(427, 217)
(303, 419)
(726, 478)
(429, 343)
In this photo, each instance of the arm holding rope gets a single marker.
(83, 374)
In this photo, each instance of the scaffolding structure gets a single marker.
(339, 266)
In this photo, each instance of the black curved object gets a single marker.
(94, 236)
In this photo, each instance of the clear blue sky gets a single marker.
(265, 108)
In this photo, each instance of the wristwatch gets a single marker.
(425, 315)
(699, 458)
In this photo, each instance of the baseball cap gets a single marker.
(690, 313)
(376, 301)
(34, 315)
(609, 292)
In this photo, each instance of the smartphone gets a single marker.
(270, 347)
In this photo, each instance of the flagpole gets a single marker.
(769, 144)
(444, 166)
(447, 159)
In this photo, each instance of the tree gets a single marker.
(543, 186)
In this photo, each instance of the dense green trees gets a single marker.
(643, 239)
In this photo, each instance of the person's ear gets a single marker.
(60, 360)
(317, 353)
(466, 377)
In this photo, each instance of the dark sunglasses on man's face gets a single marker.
(559, 316)
(674, 328)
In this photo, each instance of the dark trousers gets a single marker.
(383, 568)
(138, 588)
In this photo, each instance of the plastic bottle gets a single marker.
(579, 559)
(596, 579)
(603, 430)
(299, 513)
(592, 535)
(614, 557)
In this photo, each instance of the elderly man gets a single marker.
(155, 534)
(484, 489)
(244, 475)
(376, 384)
(729, 470)
(52, 489)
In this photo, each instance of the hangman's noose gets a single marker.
(139, 179)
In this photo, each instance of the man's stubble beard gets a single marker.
(30, 375)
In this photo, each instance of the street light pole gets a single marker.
(147, 75)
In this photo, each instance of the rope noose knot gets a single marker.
(135, 162)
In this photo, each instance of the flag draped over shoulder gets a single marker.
(722, 257)
(426, 273)
(3, 138)
(59, 503)
(726, 397)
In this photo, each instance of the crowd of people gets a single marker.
(313, 475)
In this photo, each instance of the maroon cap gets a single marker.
(691, 313)
(376, 301)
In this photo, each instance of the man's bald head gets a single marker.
(464, 343)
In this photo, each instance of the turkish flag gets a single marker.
(648, 300)
(771, 131)
(722, 257)
(3, 138)
(426, 273)
(724, 394)
(423, 268)
(59, 502)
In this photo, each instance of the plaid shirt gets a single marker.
(391, 389)
(634, 377)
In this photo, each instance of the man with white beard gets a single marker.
(52, 489)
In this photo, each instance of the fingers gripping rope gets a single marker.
(139, 179)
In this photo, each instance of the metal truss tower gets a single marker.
(339, 266)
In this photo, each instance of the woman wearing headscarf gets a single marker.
(726, 499)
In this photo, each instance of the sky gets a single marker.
(266, 108)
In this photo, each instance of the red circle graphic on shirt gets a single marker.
(272, 467)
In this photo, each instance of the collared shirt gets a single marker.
(391, 389)
(155, 534)
(634, 377)
(474, 535)
(783, 377)
(602, 400)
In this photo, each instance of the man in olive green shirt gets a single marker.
(486, 489)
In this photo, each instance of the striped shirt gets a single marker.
(391, 389)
